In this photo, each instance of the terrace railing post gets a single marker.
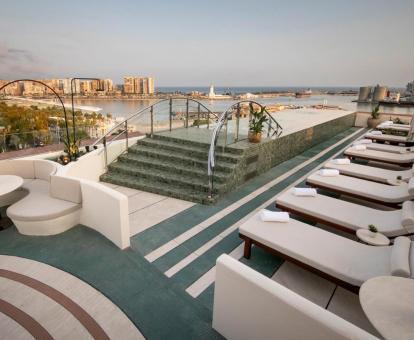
(152, 121)
(105, 153)
(170, 114)
(186, 114)
(198, 115)
(237, 122)
(126, 135)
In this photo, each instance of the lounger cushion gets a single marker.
(43, 169)
(349, 215)
(337, 256)
(407, 215)
(66, 188)
(400, 257)
(39, 205)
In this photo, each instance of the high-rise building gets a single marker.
(15, 89)
(138, 85)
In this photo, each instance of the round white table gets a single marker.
(388, 302)
(9, 183)
(378, 240)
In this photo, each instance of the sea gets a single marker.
(124, 108)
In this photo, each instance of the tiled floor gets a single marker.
(147, 209)
(165, 282)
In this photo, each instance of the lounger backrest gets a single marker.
(248, 305)
(66, 188)
(44, 169)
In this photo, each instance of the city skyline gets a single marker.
(315, 43)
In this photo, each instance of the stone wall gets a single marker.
(259, 158)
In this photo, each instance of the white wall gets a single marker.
(248, 305)
(106, 211)
(92, 165)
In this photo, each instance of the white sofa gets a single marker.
(249, 305)
(46, 204)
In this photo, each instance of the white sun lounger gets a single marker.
(389, 148)
(405, 159)
(366, 190)
(387, 138)
(339, 259)
(403, 128)
(349, 216)
(371, 173)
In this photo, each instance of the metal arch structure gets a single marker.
(56, 94)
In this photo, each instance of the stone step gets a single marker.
(184, 149)
(181, 159)
(194, 144)
(150, 163)
(148, 185)
(165, 177)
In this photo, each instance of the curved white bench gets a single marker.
(46, 204)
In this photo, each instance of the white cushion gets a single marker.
(399, 262)
(23, 168)
(407, 214)
(66, 188)
(43, 169)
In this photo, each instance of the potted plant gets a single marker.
(374, 120)
(256, 124)
(372, 230)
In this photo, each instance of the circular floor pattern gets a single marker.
(42, 302)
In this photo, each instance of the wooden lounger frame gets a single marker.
(408, 164)
(248, 242)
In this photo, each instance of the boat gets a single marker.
(302, 94)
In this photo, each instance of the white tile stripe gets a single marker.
(165, 248)
(198, 286)
(208, 278)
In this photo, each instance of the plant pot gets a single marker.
(254, 137)
(373, 122)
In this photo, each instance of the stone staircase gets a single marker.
(174, 167)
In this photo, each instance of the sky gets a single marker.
(197, 43)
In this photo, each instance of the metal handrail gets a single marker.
(122, 127)
(223, 120)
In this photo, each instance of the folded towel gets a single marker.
(363, 141)
(341, 161)
(376, 133)
(329, 172)
(360, 147)
(304, 192)
(274, 216)
(387, 122)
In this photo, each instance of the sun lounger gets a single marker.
(404, 159)
(371, 173)
(390, 148)
(380, 193)
(403, 128)
(392, 139)
(338, 259)
(347, 216)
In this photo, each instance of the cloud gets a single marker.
(19, 63)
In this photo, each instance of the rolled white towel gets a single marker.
(304, 192)
(274, 216)
(360, 147)
(329, 172)
(341, 161)
(363, 141)
(376, 132)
